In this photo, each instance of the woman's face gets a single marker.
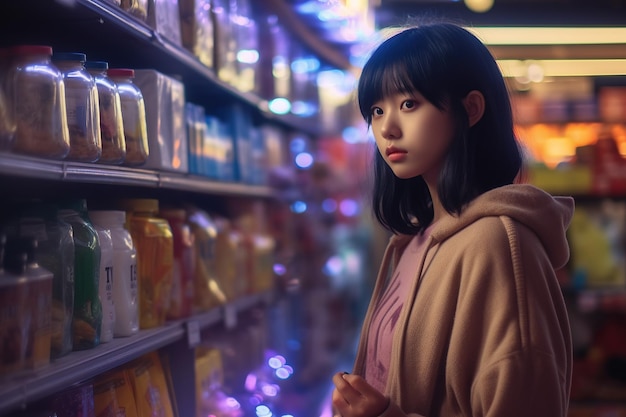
(412, 135)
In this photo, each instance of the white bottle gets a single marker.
(125, 297)
(105, 290)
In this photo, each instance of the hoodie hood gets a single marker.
(548, 216)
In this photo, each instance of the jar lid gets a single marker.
(31, 50)
(97, 65)
(121, 72)
(69, 56)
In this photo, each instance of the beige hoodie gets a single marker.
(484, 330)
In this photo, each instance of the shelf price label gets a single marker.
(193, 333)
(230, 316)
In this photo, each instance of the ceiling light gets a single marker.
(550, 35)
(564, 67)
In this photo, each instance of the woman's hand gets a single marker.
(353, 397)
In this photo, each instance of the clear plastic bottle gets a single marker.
(155, 259)
(111, 122)
(37, 94)
(133, 115)
(83, 112)
(39, 282)
(125, 297)
(87, 322)
(105, 290)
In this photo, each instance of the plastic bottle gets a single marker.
(39, 283)
(83, 112)
(155, 259)
(87, 321)
(55, 252)
(111, 122)
(15, 316)
(105, 290)
(182, 293)
(125, 297)
(37, 94)
(133, 115)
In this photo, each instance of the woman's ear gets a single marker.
(474, 103)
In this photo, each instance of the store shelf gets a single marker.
(83, 365)
(109, 33)
(15, 165)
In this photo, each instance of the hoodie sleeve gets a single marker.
(515, 329)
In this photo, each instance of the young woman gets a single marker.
(466, 317)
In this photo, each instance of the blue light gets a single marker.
(298, 207)
(349, 207)
(248, 56)
(304, 65)
(303, 109)
(297, 145)
(351, 135)
(282, 373)
(263, 411)
(304, 160)
(279, 106)
(279, 269)
(329, 205)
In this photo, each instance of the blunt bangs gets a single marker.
(392, 70)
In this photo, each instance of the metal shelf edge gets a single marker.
(83, 365)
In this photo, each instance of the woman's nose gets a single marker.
(389, 129)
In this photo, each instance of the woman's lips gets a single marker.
(395, 154)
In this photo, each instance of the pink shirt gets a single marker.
(387, 312)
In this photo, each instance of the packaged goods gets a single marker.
(110, 108)
(225, 44)
(163, 17)
(138, 8)
(7, 118)
(150, 386)
(245, 31)
(182, 293)
(113, 395)
(105, 289)
(37, 93)
(55, 253)
(83, 111)
(15, 315)
(208, 289)
(230, 259)
(125, 296)
(164, 99)
(196, 28)
(76, 401)
(133, 116)
(154, 243)
(21, 261)
(87, 321)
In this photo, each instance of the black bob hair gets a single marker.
(443, 62)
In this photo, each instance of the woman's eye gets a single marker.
(377, 111)
(408, 104)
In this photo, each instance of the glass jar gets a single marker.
(81, 102)
(125, 297)
(110, 106)
(37, 94)
(155, 259)
(133, 115)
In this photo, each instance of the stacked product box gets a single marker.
(164, 98)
